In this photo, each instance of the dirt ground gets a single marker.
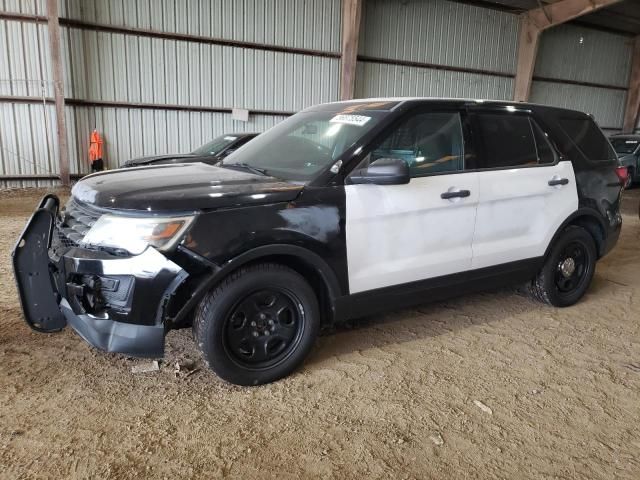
(493, 385)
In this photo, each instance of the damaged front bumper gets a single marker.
(116, 303)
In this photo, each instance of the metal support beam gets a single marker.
(632, 110)
(58, 88)
(351, 12)
(533, 23)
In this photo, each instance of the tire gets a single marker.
(557, 283)
(258, 324)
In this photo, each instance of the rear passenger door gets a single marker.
(398, 234)
(526, 190)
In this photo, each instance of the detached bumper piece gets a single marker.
(114, 302)
(31, 269)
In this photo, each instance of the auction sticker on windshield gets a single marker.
(358, 120)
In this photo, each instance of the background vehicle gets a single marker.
(211, 152)
(342, 210)
(628, 149)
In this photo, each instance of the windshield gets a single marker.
(215, 146)
(625, 146)
(302, 146)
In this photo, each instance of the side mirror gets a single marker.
(384, 171)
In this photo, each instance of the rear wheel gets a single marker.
(568, 269)
(258, 325)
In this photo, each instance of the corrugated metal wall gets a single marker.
(598, 65)
(473, 50)
(311, 24)
(159, 76)
(134, 132)
(382, 80)
(130, 68)
(450, 49)
(24, 149)
(29, 7)
(111, 73)
(25, 71)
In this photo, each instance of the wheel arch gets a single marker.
(304, 261)
(591, 221)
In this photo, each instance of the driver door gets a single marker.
(398, 234)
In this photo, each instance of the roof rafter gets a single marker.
(537, 20)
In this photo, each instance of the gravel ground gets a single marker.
(493, 385)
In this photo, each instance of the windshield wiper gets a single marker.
(246, 166)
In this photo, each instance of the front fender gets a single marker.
(281, 250)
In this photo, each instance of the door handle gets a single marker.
(456, 194)
(558, 181)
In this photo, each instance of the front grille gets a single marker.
(72, 225)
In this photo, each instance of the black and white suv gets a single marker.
(341, 210)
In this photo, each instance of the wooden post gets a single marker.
(632, 109)
(527, 51)
(533, 23)
(351, 11)
(58, 89)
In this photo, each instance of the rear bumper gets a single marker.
(115, 303)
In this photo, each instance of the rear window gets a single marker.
(624, 146)
(588, 138)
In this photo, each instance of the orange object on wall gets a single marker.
(95, 146)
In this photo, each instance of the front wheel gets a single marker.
(568, 269)
(258, 324)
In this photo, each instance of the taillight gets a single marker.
(623, 175)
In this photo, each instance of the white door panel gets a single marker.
(403, 233)
(518, 212)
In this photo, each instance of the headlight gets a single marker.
(134, 234)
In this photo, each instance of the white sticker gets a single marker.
(632, 141)
(240, 114)
(230, 138)
(358, 120)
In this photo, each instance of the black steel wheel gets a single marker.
(258, 324)
(264, 327)
(568, 269)
(572, 268)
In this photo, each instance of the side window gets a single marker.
(430, 143)
(588, 137)
(545, 151)
(511, 140)
(506, 140)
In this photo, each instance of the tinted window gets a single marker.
(588, 137)
(429, 142)
(624, 146)
(242, 141)
(506, 140)
(544, 149)
(215, 146)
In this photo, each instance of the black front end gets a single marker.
(114, 300)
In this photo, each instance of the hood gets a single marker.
(156, 158)
(181, 187)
